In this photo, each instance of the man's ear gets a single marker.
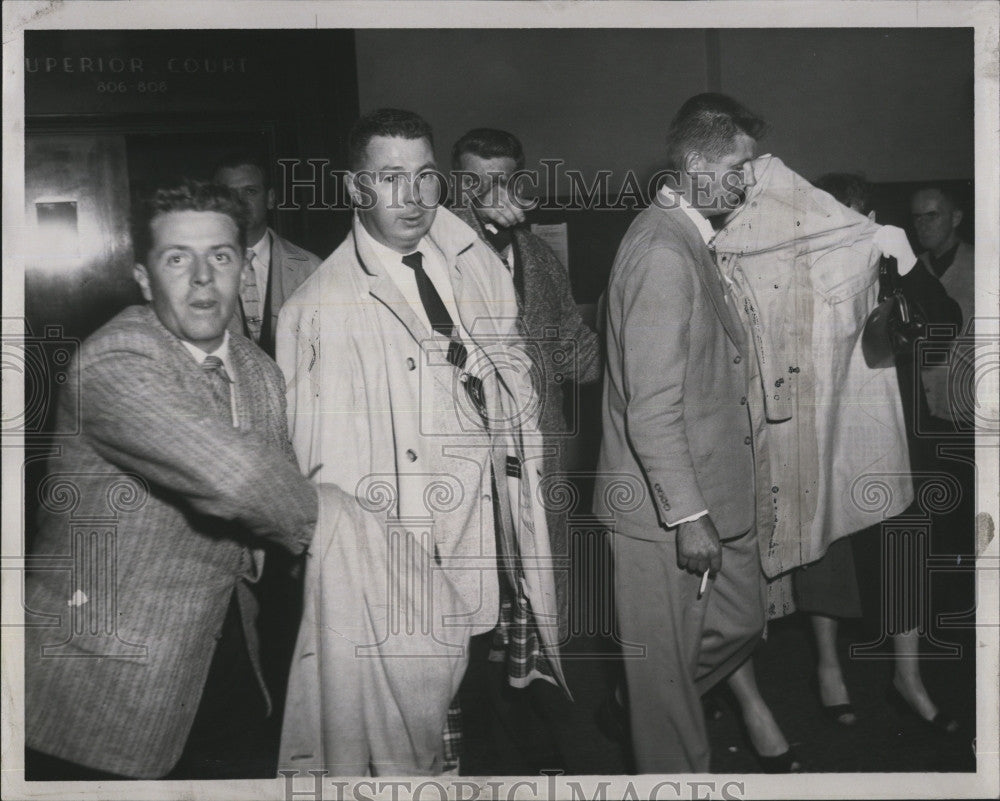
(141, 276)
(270, 199)
(956, 218)
(352, 187)
(694, 161)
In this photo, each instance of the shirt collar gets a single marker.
(262, 246)
(700, 222)
(222, 352)
(940, 264)
(384, 253)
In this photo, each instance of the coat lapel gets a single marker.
(711, 279)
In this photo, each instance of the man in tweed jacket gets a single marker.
(180, 468)
(563, 348)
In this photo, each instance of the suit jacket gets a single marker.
(290, 266)
(373, 406)
(950, 387)
(677, 434)
(150, 518)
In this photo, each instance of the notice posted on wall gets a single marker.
(556, 236)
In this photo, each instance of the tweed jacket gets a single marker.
(565, 353)
(563, 348)
(375, 408)
(677, 436)
(290, 266)
(149, 520)
(804, 269)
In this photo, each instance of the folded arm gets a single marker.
(142, 422)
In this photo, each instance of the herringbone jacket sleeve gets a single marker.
(141, 418)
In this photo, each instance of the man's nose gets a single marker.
(202, 272)
(407, 192)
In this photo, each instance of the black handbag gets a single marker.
(895, 324)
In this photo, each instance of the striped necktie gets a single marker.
(219, 379)
(250, 295)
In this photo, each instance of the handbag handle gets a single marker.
(888, 278)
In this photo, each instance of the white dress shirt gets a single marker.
(405, 279)
(672, 199)
(262, 264)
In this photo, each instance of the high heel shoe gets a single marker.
(942, 723)
(787, 762)
(838, 713)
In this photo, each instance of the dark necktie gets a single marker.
(436, 311)
(499, 238)
(441, 322)
(218, 378)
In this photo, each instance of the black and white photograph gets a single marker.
(493, 400)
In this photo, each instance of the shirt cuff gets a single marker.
(689, 518)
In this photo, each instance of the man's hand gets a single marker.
(502, 208)
(698, 547)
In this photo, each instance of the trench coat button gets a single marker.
(747, 440)
(487, 499)
(410, 363)
(743, 401)
(737, 360)
(411, 454)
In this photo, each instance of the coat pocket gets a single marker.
(836, 276)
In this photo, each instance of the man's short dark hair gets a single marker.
(244, 158)
(947, 192)
(709, 123)
(186, 195)
(847, 188)
(488, 143)
(388, 122)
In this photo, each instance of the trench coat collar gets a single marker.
(449, 234)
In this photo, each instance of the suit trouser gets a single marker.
(690, 644)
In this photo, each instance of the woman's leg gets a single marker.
(765, 734)
(830, 678)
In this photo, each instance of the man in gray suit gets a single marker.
(678, 420)
(141, 646)
(275, 267)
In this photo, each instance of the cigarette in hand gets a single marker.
(704, 584)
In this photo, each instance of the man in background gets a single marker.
(275, 267)
(952, 262)
(547, 310)
(565, 354)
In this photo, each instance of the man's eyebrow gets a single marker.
(400, 168)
